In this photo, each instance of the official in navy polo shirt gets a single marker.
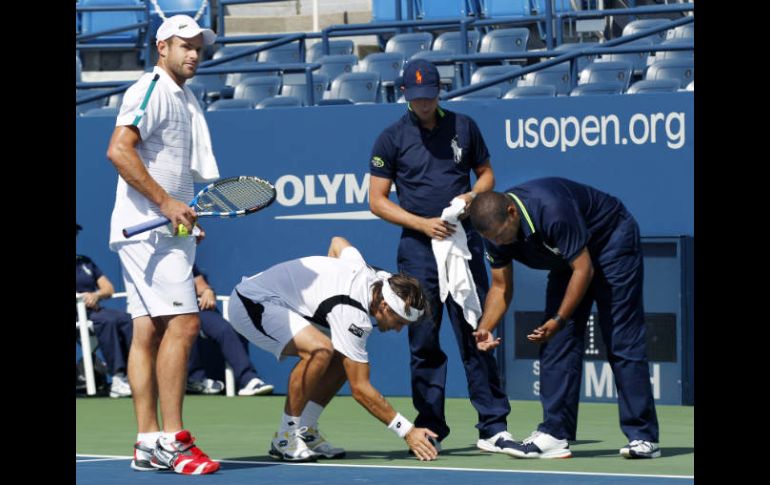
(590, 243)
(113, 328)
(429, 153)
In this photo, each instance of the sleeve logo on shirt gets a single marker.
(355, 330)
(378, 162)
(489, 258)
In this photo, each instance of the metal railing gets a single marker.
(83, 324)
(143, 34)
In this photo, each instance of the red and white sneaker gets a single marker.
(183, 456)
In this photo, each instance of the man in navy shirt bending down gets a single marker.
(591, 245)
(429, 154)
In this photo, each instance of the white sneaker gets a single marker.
(290, 446)
(318, 444)
(120, 387)
(256, 387)
(640, 449)
(541, 445)
(502, 442)
(205, 386)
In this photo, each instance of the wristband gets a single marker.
(558, 319)
(400, 425)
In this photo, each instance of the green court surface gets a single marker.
(240, 428)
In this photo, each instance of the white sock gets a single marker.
(148, 439)
(169, 437)
(310, 415)
(289, 423)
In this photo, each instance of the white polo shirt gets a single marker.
(318, 285)
(165, 127)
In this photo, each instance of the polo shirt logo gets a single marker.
(355, 330)
(87, 271)
(378, 162)
(489, 258)
(458, 152)
(418, 77)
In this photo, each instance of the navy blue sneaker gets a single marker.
(502, 442)
(541, 445)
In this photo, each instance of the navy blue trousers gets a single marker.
(234, 348)
(114, 330)
(429, 362)
(617, 290)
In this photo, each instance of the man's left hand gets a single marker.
(544, 332)
(207, 300)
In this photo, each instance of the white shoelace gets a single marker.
(532, 437)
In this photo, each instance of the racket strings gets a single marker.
(238, 195)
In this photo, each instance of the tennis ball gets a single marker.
(182, 231)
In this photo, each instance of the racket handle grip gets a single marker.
(145, 226)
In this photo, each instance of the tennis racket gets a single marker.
(230, 197)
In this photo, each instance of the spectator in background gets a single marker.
(234, 348)
(112, 327)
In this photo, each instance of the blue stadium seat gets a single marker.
(442, 9)
(507, 8)
(255, 89)
(557, 76)
(93, 22)
(409, 44)
(103, 111)
(388, 65)
(98, 103)
(200, 93)
(115, 100)
(451, 42)
(542, 90)
(582, 61)
(487, 72)
(644, 24)
(286, 53)
(358, 87)
(658, 86)
(686, 54)
(335, 102)
(492, 92)
(682, 32)
(602, 71)
(446, 72)
(298, 88)
(332, 66)
(605, 87)
(78, 70)
(637, 60)
(279, 102)
(336, 47)
(222, 104)
(505, 40)
(215, 83)
(235, 78)
(682, 70)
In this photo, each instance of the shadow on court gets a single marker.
(665, 452)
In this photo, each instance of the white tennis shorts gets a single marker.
(157, 273)
(270, 327)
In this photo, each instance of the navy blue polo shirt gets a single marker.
(559, 218)
(429, 167)
(86, 274)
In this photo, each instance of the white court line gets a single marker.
(546, 472)
(100, 459)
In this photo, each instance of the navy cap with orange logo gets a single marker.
(420, 80)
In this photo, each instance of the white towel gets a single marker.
(203, 164)
(454, 275)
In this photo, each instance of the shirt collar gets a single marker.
(166, 79)
(416, 121)
(527, 226)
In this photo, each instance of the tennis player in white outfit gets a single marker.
(319, 308)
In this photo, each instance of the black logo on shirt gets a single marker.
(357, 331)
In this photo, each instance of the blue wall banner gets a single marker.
(637, 147)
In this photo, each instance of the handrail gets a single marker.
(143, 37)
(607, 47)
(307, 68)
(286, 39)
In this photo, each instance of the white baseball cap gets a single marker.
(183, 26)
